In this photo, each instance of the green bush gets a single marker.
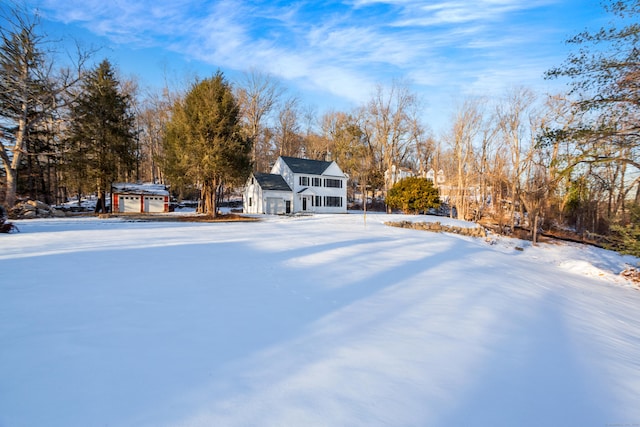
(413, 195)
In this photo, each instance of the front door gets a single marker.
(304, 203)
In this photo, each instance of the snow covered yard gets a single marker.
(310, 321)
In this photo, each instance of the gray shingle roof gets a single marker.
(270, 181)
(311, 167)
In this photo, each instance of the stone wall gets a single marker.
(440, 228)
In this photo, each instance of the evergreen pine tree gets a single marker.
(625, 236)
(204, 143)
(101, 142)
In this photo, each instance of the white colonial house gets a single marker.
(296, 186)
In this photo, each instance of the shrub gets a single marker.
(413, 195)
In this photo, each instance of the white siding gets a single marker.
(281, 168)
(252, 198)
(334, 170)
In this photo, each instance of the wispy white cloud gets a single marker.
(124, 22)
(458, 12)
(424, 14)
(342, 47)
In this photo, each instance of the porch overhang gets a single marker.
(307, 192)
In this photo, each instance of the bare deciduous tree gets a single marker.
(258, 95)
(514, 115)
(467, 125)
(388, 120)
(30, 90)
(287, 129)
(152, 120)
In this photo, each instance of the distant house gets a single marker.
(296, 186)
(397, 174)
(436, 179)
(139, 198)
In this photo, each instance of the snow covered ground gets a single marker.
(310, 321)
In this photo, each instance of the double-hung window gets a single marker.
(332, 201)
(333, 183)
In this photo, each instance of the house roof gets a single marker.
(270, 181)
(311, 167)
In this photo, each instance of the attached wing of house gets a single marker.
(267, 193)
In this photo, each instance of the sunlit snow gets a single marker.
(311, 321)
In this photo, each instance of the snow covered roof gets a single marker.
(270, 181)
(129, 188)
(311, 167)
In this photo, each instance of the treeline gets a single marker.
(520, 159)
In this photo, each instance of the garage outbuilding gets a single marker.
(139, 198)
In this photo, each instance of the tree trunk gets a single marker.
(12, 182)
(208, 196)
(11, 165)
(101, 204)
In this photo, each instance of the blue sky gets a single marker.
(332, 54)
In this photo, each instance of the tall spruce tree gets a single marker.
(101, 142)
(204, 143)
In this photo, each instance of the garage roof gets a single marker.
(270, 181)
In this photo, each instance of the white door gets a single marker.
(275, 206)
(129, 203)
(154, 204)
